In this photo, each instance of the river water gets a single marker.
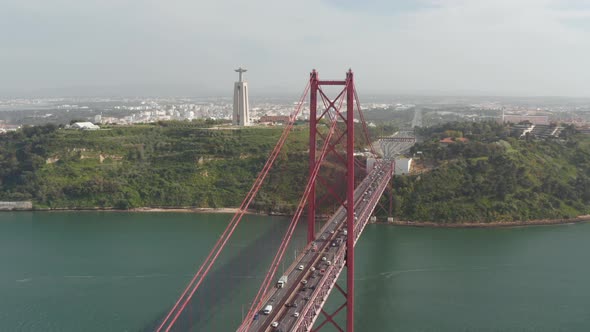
(109, 271)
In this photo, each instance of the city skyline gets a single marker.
(184, 48)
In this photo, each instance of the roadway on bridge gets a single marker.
(306, 271)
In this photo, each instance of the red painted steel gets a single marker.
(350, 203)
(350, 185)
(313, 105)
(330, 318)
(331, 191)
(349, 161)
(332, 82)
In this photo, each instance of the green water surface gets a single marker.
(109, 271)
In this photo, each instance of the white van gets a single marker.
(267, 310)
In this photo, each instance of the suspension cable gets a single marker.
(198, 278)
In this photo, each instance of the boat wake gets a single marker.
(395, 273)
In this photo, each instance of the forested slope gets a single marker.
(495, 177)
(491, 177)
(173, 164)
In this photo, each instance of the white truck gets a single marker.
(282, 281)
(267, 310)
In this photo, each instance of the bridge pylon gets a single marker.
(315, 121)
(297, 300)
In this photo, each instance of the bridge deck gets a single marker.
(322, 261)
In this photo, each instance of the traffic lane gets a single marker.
(278, 293)
(333, 225)
(313, 282)
(285, 313)
(288, 316)
(289, 319)
(296, 304)
(278, 314)
(286, 319)
(283, 318)
(282, 292)
(261, 316)
(275, 294)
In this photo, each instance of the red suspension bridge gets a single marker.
(296, 301)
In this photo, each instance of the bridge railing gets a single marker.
(365, 214)
(317, 299)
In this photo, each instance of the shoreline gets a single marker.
(401, 223)
(494, 224)
(187, 210)
(147, 210)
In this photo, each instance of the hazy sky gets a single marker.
(190, 47)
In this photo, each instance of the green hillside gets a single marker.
(495, 177)
(491, 177)
(172, 164)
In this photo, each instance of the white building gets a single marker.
(85, 126)
(403, 166)
(241, 114)
(370, 164)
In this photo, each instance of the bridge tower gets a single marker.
(348, 120)
(337, 140)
